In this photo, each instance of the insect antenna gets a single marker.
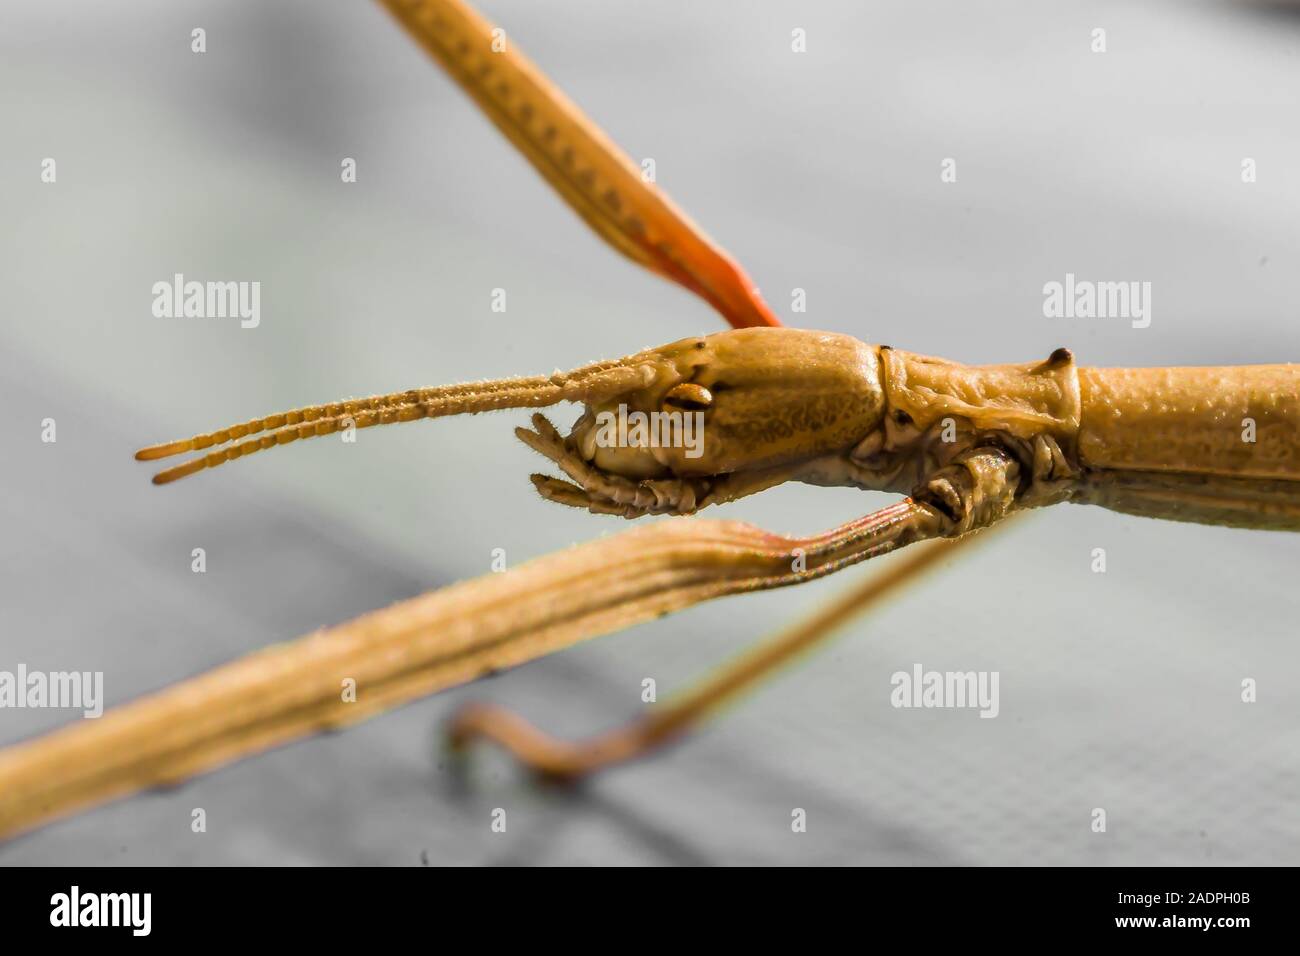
(592, 382)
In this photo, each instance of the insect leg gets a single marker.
(422, 645)
(563, 760)
(594, 176)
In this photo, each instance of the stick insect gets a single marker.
(967, 447)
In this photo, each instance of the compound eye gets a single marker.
(689, 396)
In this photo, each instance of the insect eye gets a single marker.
(689, 396)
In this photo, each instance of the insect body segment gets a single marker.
(719, 417)
(1241, 422)
(1212, 445)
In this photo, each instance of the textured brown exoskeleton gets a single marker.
(968, 446)
(1214, 445)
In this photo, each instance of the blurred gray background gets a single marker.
(820, 171)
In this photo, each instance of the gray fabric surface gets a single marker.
(1118, 690)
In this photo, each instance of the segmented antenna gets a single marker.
(590, 383)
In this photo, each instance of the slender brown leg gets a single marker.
(568, 760)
